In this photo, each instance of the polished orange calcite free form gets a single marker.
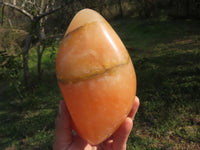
(96, 76)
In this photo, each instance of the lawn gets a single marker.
(166, 57)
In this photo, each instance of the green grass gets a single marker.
(166, 57)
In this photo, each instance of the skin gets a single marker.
(66, 140)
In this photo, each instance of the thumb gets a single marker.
(63, 130)
(120, 137)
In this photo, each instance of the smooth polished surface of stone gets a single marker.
(96, 76)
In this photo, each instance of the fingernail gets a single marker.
(136, 106)
(137, 102)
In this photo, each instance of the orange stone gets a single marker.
(96, 76)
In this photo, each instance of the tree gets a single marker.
(120, 8)
(2, 14)
(147, 8)
(38, 12)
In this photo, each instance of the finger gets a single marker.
(120, 137)
(63, 130)
(134, 108)
(125, 128)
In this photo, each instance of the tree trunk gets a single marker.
(187, 8)
(2, 15)
(39, 62)
(121, 9)
(10, 23)
(25, 60)
(42, 38)
(40, 53)
(14, 2)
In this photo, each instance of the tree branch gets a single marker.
(21, 10)
(23, 4)
(49, 12)
(2, 15)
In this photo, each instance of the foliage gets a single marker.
(169, 8)
(37, 12)
(10, 58)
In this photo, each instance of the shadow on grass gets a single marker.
(168, 87)
(27, 120)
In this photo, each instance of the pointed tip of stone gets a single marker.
(84, 17)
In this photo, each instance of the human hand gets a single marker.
(65, 140)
